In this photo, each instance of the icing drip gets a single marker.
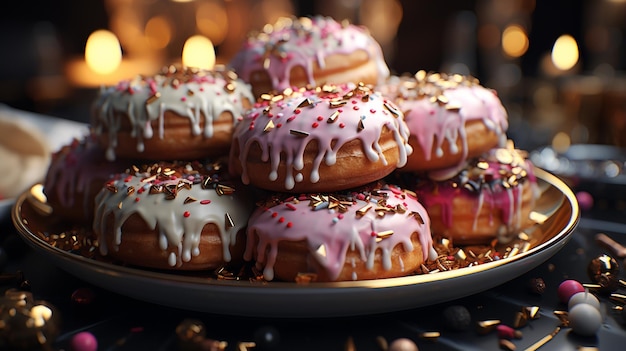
(303, 42)
(177, 201)
(333, 224)
(437, 106)
(496, 180)
(283, 125)
(190, 93)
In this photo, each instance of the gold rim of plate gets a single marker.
(556, 211)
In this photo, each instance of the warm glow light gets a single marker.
(565, 52)
(158, 31)
(212, 21)
(103, 52)
(514, 41)
(198, 52)
(561, 142)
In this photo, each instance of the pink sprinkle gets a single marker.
(341, 125)
(315, 125)
(205, 202)
(291, 118)
(355, 107)
(340, 216)
(279, 125)
(353, 101)
(340, 110)
(372, 110)
(186, 214)
(373, 233)
(183, 98)
(291, 207)
(128, 179)
(360, 196)
(289, 224)
(270, 115)
(432, 112)
(320, 118)
(274, 214)
(297, 111)
(136, 199)
(281, 219)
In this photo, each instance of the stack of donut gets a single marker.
(151, 177)
(475, 185)
(290, 161)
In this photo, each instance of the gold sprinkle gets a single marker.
(506, 344)
(363, 210)
(484, 327)
(306, 102)
(361, 125)
(111, 188)
(392, 109)
(460, 255)
(266, 63)
(453, 108)
(321, 250)
(153, 98)
(130, 190)
(543, 340)
(418, 216)
(482, 165)
(224, 190)
(420, 75)
(333, 117)
(430, 335)
(305, 278)
(119, 205)
(298, 133)
(266, 97)
(228, 221)
(189, 199)
(190, 92)
(532, 312)
(339, 103)
(156, 189)
(520, 320)
(384, 234)
(246, 345)
(269, 126)
(504, 156)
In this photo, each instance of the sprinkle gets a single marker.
(363, 210)
(321, 250)
(306, 102)
(224, 190)
(186, 214)
(153, 98)
(333, 117)
(189, 199)
(315, 125)
(289, 224)
(269, 126)
(291, 206)
(394, 111)
(361, 125)
(205, 202)
(228, 221)
(298, 133)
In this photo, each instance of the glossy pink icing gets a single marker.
(491, 182)
(199, 199)
(190, 93)
(331, 232)
(74, 170)
(283, 128)
(303, 42)
(433, 120)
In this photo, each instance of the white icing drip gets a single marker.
(178, 224)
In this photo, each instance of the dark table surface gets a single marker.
(121, 323)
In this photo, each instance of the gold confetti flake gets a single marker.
(228, 221)
(112, 188)
(305, 103)
(189, 199)
(484, 327)
(305, 278)
(153, 98)
(384, 234)
(337, 103)
(266, 63)
(130, 190)
(298, 133)
(321, 250)
(430, 335)
(156, 189)
(269, 126)
(333, 117)
(361, 125)
(391, 108)
(363, 210)
(222, 189)
(418, 217)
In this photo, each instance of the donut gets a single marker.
(327, 138)
(491, 198)
(451, 118)
(369, 233)
(180, 113)
(75, 175)
(172, 215)
(296, 52)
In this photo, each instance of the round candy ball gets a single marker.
(403, 344)
(84, 341)
(583, 297)
(584, 319)
(457, 317)
(568, 288)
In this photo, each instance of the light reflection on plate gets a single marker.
(557, 205)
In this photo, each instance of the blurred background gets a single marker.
(557, 65)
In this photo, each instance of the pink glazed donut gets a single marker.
(489, 199)
(377, 231)
(451, 118)
(327, 138)
(296, 52)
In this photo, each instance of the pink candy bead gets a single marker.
(84, 341)
(568, 288)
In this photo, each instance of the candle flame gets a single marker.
(103, 52)
(198, 52)
(565, 52)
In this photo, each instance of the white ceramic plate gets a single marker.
(557, 206)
